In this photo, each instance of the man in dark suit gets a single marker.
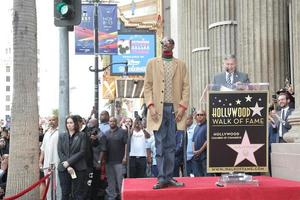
(282, 123)
(230, 78)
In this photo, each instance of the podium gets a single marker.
(237, 132)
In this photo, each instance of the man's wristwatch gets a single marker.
(99, 161)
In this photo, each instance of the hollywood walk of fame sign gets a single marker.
(237, 131)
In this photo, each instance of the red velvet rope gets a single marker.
(29, 188)
(46, 190)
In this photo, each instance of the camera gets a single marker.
(93, 131)
(137, 116)
(2, 143)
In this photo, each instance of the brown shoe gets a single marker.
(173, 182)
(159, 185)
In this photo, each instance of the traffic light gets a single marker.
(67, 12)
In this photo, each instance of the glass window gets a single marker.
(7, 78)
(7, 68)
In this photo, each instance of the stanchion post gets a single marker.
(53, 182)
(127, 153)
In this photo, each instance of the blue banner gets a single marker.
(108, 29)
(84, 33)
(137, 50)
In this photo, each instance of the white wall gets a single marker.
(174, 25)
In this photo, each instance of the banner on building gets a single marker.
(84, 32)
(237, 132)
(136, 49)
(108, 29)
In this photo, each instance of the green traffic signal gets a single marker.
(64, 9)
(67, 12)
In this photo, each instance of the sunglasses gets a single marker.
(166, 42)
(200, 114)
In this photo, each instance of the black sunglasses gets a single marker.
(164, 42)
(200, 114)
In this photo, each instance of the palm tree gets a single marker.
(24, 149)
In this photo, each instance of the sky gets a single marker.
(4, 14)
(81, 80)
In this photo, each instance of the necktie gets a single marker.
(280, 126)
(282, 114)
(228, 80)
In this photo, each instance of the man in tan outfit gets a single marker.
(167, 96)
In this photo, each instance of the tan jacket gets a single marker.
(154, 90)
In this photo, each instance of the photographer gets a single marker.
(98, 142)
(127, 124)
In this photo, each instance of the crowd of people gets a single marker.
(100, 156)
(92, 157)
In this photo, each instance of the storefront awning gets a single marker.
(130, 88)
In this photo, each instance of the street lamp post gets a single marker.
(96, 70)
(96, 50)
(96, 62)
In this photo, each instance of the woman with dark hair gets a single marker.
(72, 168)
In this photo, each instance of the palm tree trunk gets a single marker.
(24, 149)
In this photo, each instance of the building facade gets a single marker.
(6, 83)
(259, 32)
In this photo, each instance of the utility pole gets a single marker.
(96, 69)
(67, 13)
(64, 105)
(96, 50)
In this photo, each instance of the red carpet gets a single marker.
(204, 188)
